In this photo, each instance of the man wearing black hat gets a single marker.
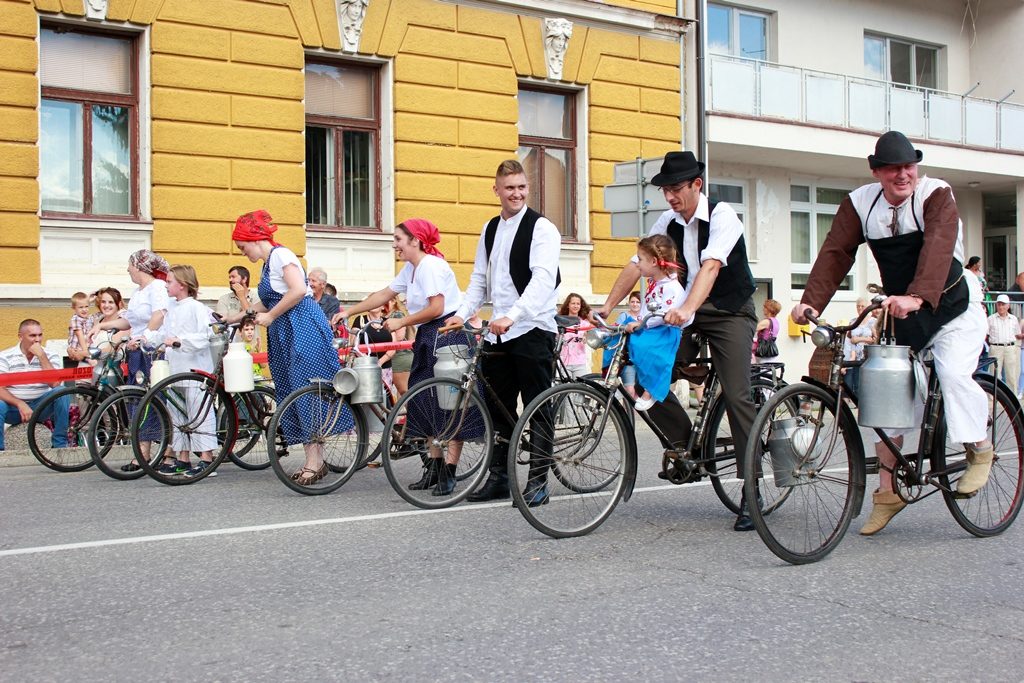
(912, 226)
(709, 239)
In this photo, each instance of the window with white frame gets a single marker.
(547, 150)
(342, 142)
(738, 32)
(901, 61)
(812, 208)
(89, 124)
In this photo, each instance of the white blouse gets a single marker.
(189, 321)
(279, 258)
(144, 302)
(431, 277)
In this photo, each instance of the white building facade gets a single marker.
(797, 94)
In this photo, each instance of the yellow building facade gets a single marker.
(154, 123)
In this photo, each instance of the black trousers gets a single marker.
(729, 336)
(522, 367)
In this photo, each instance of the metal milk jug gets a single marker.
(238, 369)
(370, 388)
(452, 363)
(886, 397)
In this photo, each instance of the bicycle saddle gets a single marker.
(564, 321)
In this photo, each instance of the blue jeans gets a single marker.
(58, 411)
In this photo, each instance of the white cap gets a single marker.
(1002, 299)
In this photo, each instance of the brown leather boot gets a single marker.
(979, 464)
(886, 505)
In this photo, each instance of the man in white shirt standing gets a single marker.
(1003, 333)
(516, 268)
(18, 401)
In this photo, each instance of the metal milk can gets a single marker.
(369, 389)
(886, 397)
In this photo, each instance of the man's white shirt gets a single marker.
(492, 281)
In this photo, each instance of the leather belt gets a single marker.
(1007, 344)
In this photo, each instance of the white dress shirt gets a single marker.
(724, 232)
(1003, 330)
(491, 279)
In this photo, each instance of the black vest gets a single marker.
(519, 255)
(735, 283)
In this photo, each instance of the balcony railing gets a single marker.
(763, 89)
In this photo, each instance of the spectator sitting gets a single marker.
(78, 331)
(318, 283)
(240, 298)
(28, 355)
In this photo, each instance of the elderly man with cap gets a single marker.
(709, 238)
(1003, 333)
(912, 226)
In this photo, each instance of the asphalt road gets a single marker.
(124, 581)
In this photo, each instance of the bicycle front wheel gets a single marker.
(255, 410)
(184, 413)
(67, 450)
(994, 508)
(814, 459)
(437, 443)
(315, 424)
(720, 452)
(110, 442)
(582, 436)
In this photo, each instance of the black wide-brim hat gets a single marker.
(678, 167)
(894, 149)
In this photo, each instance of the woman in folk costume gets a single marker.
(146, 310)
(653, 349)
(432, 294)
(299, 341)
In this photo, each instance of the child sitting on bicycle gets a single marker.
(653, 349)
(187, 323)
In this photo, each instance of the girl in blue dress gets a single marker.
(299, 341)
(653, 349)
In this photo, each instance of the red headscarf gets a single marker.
(426, 232)
(255, 226)
(150, 262)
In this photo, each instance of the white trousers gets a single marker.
(955, 350)
(200, 417)
(1007, 363)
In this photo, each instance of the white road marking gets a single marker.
(284, 525)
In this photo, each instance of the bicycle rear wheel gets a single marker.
(583, 436)
(996, 505)
(63, 452)
(255, 410)
(816, 461)
(109, 437)
(720, 452)
(317, 417)
(432, 422)
(185, 413)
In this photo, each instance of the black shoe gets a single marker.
(495, 488)
(536, 493)
(445, 480)
(743, 521)
(130, 467)
(430, 476)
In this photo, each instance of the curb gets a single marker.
(18, 459)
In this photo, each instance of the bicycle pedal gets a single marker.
(963, 496)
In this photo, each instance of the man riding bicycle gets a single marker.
(912, 226)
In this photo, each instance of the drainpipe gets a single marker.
(702, 40)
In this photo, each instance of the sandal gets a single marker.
(308, 476)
